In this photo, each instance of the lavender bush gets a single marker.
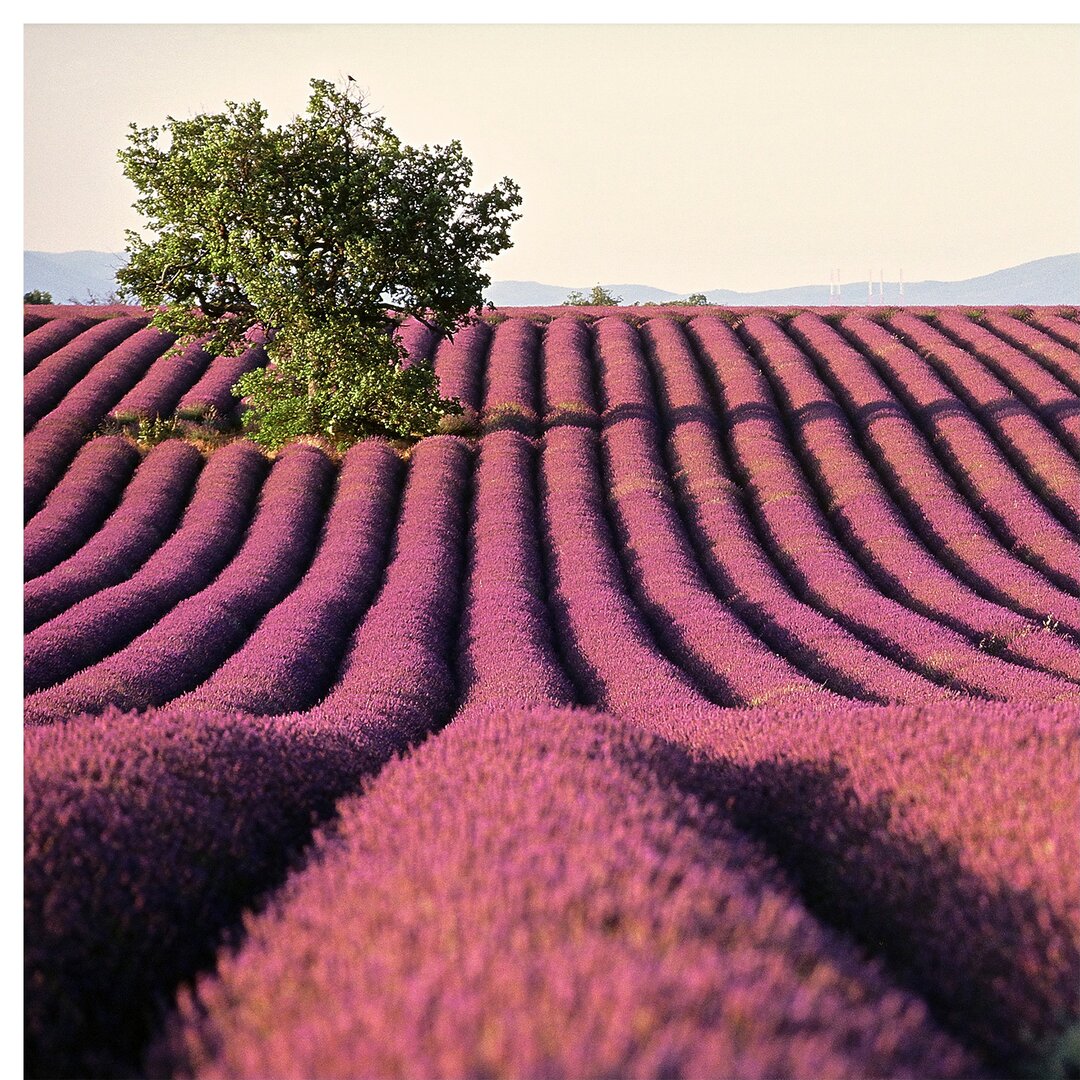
(207, 537)
(88, 492)
(146, 516)
(525, 897)
(46, 336)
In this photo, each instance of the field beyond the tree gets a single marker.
(704, 702)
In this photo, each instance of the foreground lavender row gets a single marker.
(770, 892)
(734, 533)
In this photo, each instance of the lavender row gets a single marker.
(86, 495)
(32, 320)
(1065, 330)
(822, 568)
(957, 536)
(732, 665)
(458, 364)
(48, 336)
(507, 652)
(976, 463)
(510, 388)
(859, 506)
(209, 533)
(147, 515)
(147, 836)
(1036, 341)
(121, 909)
(159, 391)
(417, 339)
(1042, 462)
(49, 448)
(45, 386)
(289, 661)
(212, 393)
(739, 569)
(396, 683)
(610, 649)
(568, 393)
(197, 635)
(530, 900)
(1055, 405)
(870, 810)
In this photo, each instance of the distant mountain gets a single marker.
(74, 275)
(1054, 280)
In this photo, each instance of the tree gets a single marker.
(597, 296)
(37, 296)
(323, 235)
(697, 299)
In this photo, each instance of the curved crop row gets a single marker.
(113, 376)
(507, 651)
(396, 683)
(32, 320)
(47, 336)
(739, 567)
(210, 531)
(821, 566)
(197, 635)
(212, 394)
(47, 452)
(86, 495)
(959, 530)
(146, 516)
(458, 364)
(55, 440)
(858, 504)
(567, 389)
(1001, 496)
(958, 537)
(1063, 329)
(509, 397)
(159, 391)
(530, 899)
(50, 380)
(289, 661)
(608, 647)
(1038, 342)
(614, 658)
(709, 640)
(1044, 394)
(417, 338)
(1040, 458)
(942, 837)
(146, 837)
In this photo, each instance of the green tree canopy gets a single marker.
(325, 233)
(37, 296)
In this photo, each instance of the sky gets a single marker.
(685, 157)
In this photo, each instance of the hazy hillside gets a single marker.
(1054, 280)
(72, 275)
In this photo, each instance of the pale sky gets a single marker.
(685, 157)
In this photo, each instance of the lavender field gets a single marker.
(707, 705)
